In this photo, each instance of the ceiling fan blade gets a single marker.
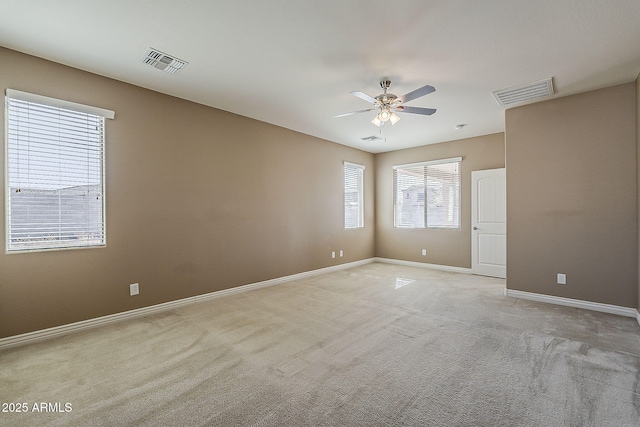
(354, 112)
(416, 110)
(422, 91)
(364, 96)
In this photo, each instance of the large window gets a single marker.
(54, 192)
(353, 195)
(427, 194)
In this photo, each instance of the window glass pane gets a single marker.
(353, 196)
(427, 195)
(409, 193)
(54, 189)
(443, 189)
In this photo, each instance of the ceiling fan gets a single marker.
(388, 104)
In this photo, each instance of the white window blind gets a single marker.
(353, 195)
(427, 194)
(54, 193)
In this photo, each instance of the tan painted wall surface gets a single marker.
(198, 200)
(571, 196)
(444, 247)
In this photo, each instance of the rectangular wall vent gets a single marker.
(524, 93)
(162, 61)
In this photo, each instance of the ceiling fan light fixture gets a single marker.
(387, 104)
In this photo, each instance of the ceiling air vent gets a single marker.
(164, 62)
(370, 138)
(524, 93)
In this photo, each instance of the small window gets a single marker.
(54, 191)
(427, 194)
(353, 195)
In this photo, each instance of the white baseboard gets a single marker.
(424, 265)
(44, 334)
(587, 305)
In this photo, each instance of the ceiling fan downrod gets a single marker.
(384, 84)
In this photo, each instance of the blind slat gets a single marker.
(31, 98)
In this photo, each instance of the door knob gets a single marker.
(475, 228)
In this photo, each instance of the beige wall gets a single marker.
(444, 247)
(638, 172)
(571, 196)
(198, 200)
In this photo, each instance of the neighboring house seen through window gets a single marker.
(427, 194)
(54, 194)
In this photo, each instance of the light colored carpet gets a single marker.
(376, 345)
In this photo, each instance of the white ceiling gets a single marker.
(293, 62)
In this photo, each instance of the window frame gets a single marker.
(13, 99)
(425, 164)
(359, 169)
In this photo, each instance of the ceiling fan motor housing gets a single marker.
(386, 99)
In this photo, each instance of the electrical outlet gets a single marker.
(562, 279)
(424, 252)
(341, 253)
(333, 254)
(134, 289)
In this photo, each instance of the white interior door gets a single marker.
(489, 222)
